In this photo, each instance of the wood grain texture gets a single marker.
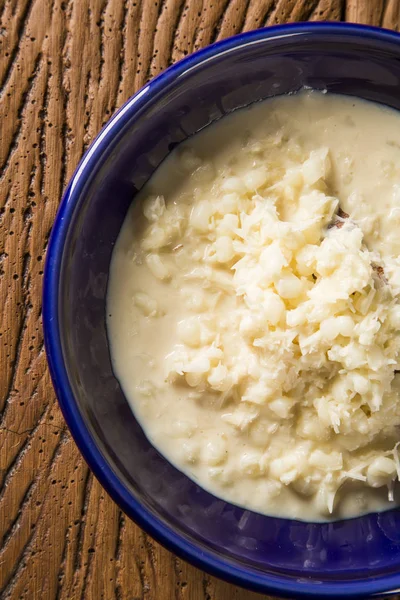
(65, 67)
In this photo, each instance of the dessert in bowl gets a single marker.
(359, 556)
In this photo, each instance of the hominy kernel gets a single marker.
(289, 286)
(215, 452)
(157, 267)
(200, 216)
(146, 304)
(224, 249)
(381, 471)
(234, 184)
(189, 331)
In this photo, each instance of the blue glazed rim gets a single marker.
(207, 560)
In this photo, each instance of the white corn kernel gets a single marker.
(146, 304)
(234, 184)
(224, 249)
(250, 464)
(156, 238)
(153, 208)
(194, 379)
(272, 260)
(157, 267)
(289, 286)
(200, 216)
(381, 471)
(306, 260)
(326, 462)
(255, 179)
(281, 407)
(219, 378)
(189, 331)
(190, 451)
(215, 452)
(285, 468)
(230, 203)
(200, 364)
(228, 224)
(334, 326)
(274, 307)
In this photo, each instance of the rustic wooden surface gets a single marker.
(65, 66)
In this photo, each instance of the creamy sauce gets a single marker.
(162, 304)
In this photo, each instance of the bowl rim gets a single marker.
(207, 560)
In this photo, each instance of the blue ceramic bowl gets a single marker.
(354, 558)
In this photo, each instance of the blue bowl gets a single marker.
(355, 558)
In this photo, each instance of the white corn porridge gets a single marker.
(254, 326)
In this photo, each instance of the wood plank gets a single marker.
(65, 67)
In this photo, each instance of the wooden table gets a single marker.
(65, 67)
